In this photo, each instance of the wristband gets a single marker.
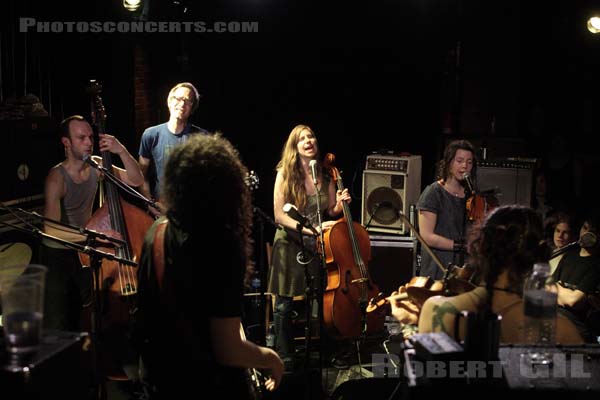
(459, 245)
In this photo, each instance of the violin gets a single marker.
(481, 204)
(420, 288)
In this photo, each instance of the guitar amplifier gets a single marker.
(391, 184)
(512, 179)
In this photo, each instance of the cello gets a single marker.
(115, 282)
(349, 287)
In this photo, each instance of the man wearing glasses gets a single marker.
(157, 141)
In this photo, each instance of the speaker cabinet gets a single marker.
(30, 148)
(392, 261)
(390, 185)
(512, 181)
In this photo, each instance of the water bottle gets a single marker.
(540, 304)
(255, 285)
(270, 339)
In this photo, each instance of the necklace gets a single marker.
(449, 190)
(452, 192)
(505, 289)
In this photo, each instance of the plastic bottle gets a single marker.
(540, 304)
(255, 285)
(270, 338)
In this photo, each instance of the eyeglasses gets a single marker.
(185, 101)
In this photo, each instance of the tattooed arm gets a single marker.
(439, 313)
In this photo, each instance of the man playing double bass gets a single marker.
(70, 189)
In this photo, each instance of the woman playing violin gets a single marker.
(441, 206)
(504, 248)
(294, 184)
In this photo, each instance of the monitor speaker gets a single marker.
(391, 184)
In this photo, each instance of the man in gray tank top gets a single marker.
(70, 189)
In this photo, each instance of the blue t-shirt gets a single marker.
(156, 145)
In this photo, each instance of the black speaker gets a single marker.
(31, 147)
(513, 181)
(392, 261)
(390, 185)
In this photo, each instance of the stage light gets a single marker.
(132, 5)
(593, 24)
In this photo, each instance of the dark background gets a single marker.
(369, 76)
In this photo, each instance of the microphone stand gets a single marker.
(82, 230)
(318, 293)
(416, 234)
(96, 257)
(121, 185)
(461, 253)
(34, 231)
(262, 270)
(308, 294)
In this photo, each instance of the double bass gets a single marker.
(349, 287)
(115, 283)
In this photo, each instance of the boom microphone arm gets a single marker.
(435, 258)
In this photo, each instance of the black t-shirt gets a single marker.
(173, 336)
(578, 273)
(581, 273)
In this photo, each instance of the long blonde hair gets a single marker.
(291, 168)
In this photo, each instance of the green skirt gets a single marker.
(287, 275)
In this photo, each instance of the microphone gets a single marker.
(292, 212)
(587, 240)
(313, 170)
(88, 159)
(469, 183)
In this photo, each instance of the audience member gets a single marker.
(578, 276)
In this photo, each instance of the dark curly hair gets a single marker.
(509, 238)
(205, 192)
(443, 167)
